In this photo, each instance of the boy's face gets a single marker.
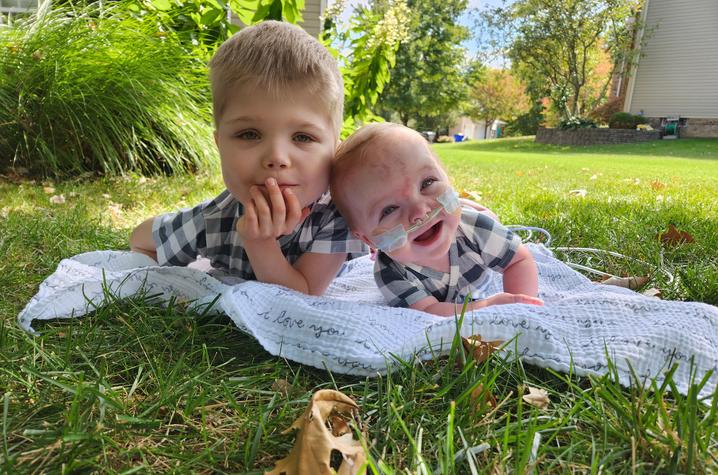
(399, 186)
(288, 138)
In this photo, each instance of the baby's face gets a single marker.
(399, 186)
(290, 139)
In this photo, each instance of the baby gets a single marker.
(396, 197)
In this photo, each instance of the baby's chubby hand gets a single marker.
(506, 298)
(270, 219)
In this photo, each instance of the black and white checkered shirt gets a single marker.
(209, 230)
(481, 243)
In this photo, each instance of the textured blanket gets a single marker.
(350, 330)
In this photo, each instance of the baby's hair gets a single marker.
(276, 57)
(352, 153)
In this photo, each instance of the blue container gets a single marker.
(458, 137)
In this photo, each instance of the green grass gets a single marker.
(135, 388)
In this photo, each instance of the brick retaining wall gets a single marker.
(594, 136)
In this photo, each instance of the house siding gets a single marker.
(678, 70)
(313, 9)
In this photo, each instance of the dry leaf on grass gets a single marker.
(323, 428)
(579, 192)
(480, 398)
(653, 292)
(674, 236)
(632, 283)
(57, 199)
(478, 349)
(48, 190)
(470, 195)
(657, 185)
(536, 397)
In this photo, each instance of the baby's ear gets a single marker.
(362, 238)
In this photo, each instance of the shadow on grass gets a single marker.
(702, 149)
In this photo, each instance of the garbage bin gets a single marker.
(458, 137)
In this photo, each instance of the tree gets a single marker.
(498, 95)
(561, 44)
(427, 82)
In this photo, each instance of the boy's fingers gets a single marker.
(279, 210)
(294, 211)
(247, 224)
(264, 214)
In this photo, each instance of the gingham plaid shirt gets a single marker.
(481, 243)
(209, 230)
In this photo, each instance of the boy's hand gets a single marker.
(264, 219)
(506, 298)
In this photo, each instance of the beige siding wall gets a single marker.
(312, 11)
(678, 72)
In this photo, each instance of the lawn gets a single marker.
(139, 388)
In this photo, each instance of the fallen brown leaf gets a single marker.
(478, 349)
(579, 192)
(57, 199)
(657, 185)
(536, 397)
(282, 386)
(48, 190)
(315, 441)
(674, 236)
(470, 195)
(653, 292)
(632, 283)
(481, 398)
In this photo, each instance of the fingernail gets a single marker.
(271, 181)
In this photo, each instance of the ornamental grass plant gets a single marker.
(92, 89)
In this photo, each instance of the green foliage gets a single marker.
(560, 43)
(624, 120)
(497, 95)
(92, 90)
(573, 123)
(371, 40)
(428, 82)
(204, 24)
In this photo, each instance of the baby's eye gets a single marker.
(304, 138)
(248, 135)
(428, 182)
(387, 211)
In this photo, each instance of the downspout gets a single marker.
(634, 66)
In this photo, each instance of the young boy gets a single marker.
(396, 197)
(278, 102)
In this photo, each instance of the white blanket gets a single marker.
(349, 330)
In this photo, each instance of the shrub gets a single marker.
(91, 90)
(622, 120)
(573, 123)
(602, 114)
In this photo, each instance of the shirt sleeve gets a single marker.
(331, 235)
(495, 243)
(399, 287)
(180, 236)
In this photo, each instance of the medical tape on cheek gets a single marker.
(397, 236)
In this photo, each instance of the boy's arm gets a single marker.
(141, 239)
(311, 274)
(521, 275)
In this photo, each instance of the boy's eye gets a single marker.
(428, 182)
(248, 135)
(387, 211)
(304, 138)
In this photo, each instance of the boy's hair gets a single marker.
(352, 153)
(276, 56)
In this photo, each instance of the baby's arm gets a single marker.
(141, 239)
(521, 276)
(446, 309)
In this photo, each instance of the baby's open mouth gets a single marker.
(428, 236)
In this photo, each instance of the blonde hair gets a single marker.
(352, 153)
(276, 56)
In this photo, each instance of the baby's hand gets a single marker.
(262, 220)
(507, 298)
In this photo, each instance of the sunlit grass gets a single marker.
(136, 387)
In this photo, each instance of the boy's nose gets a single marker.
(276, 157)
(419, 211)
